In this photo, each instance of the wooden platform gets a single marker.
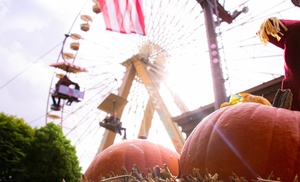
(111, 127)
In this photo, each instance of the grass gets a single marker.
(164, 175)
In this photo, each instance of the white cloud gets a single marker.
(4, 8)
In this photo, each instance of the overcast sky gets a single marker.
(31, 34)
(29, 31)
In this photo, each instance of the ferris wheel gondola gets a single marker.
(112, 105)
(66, 89)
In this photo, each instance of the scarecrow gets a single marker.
(285, 34)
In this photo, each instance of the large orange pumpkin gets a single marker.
(250, 139)
(143, 153)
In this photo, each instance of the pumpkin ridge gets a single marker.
(137, 145)
(211, 132)
(160, 156)
(189, 142)
(254, 109)
(125, 154)
(145, 159)
(274, 147)
(298, 151)
(230, 145)
(271, 143)
(268, 165)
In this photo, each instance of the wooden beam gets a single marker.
(189, 120)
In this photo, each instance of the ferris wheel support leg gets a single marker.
(147, 120)
(164, 114)
(109, 136)
(107, 140)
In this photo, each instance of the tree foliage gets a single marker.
(15, 138)
(51, 157)
(35, 155)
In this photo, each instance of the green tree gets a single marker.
(51, 157)
(15, 138)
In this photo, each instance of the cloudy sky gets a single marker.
(31, 38)
(31, 34)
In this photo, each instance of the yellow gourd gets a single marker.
(245, 97)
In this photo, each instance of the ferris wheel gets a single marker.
(136, 83)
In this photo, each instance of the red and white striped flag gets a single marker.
(124, 16)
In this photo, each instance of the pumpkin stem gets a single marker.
(283, 99)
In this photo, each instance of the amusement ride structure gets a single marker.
(132, 85)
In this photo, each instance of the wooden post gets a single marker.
(216, 70)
